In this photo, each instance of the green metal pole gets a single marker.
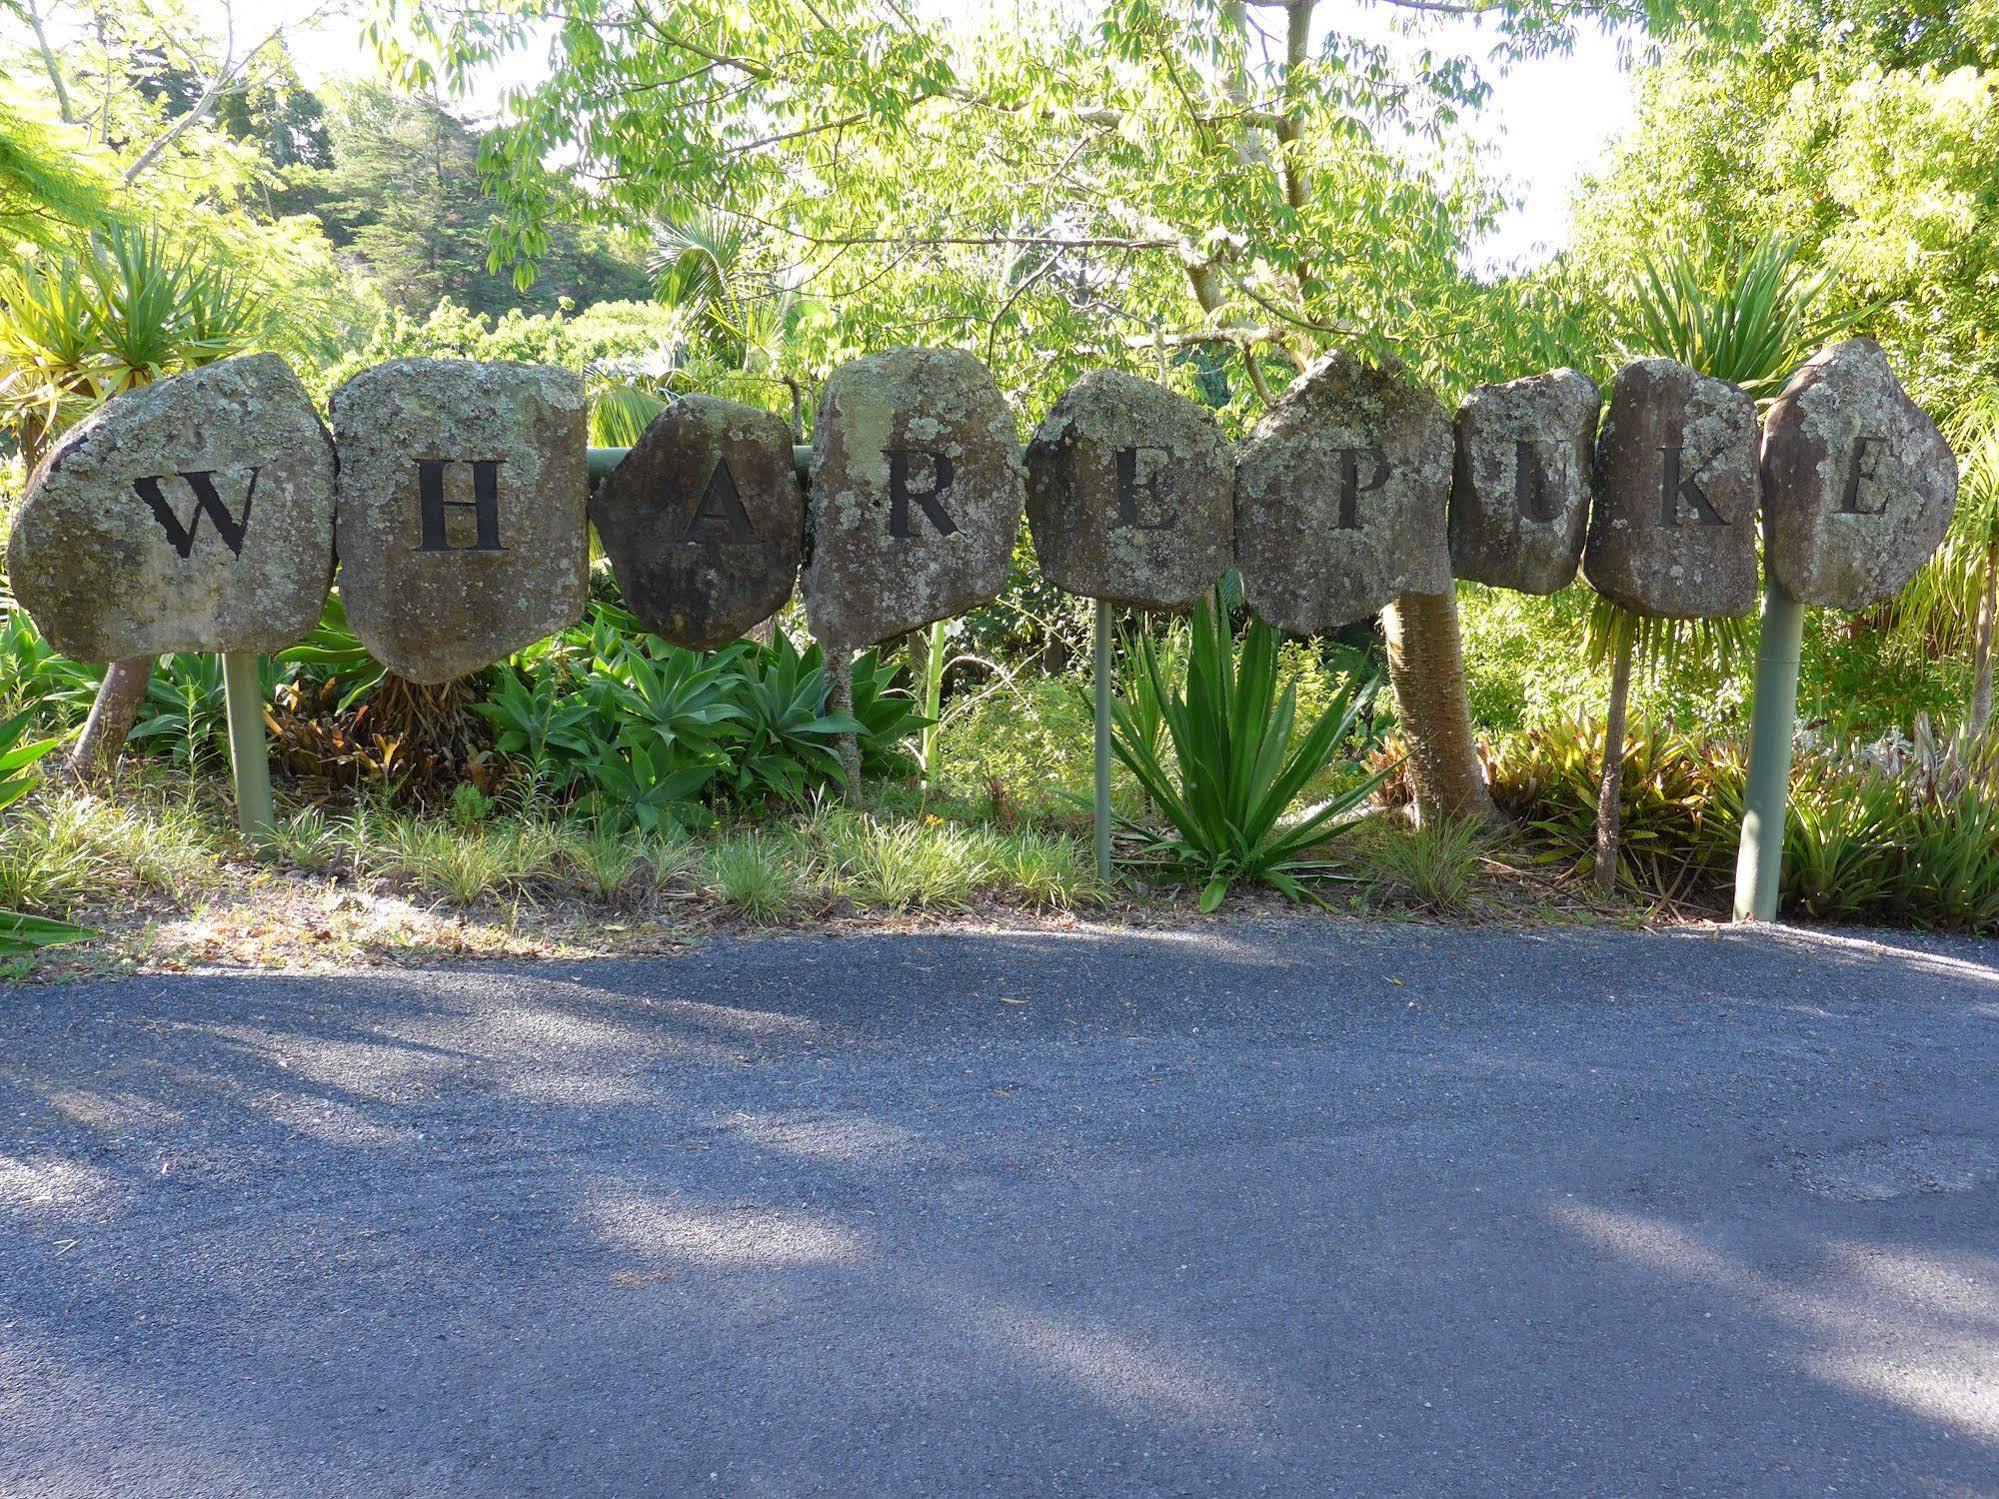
(1102, 683)
(249, 755)
(1760, 860)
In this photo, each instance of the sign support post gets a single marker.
(1102, 685)
(249, 754)
(1760, 860)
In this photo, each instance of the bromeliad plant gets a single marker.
(1233, 774)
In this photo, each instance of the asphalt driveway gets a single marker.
(1317, 1209)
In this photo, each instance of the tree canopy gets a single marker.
(1861, 134)
(1055, 187)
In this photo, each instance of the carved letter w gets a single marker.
(206, 502)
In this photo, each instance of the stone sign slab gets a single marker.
(1858, 483)
(704, 521)
(1341, 496)
(192, 514)
(460, 522)
(916, 494)
(1130, 493)
(1520, 485)
(1672, 527)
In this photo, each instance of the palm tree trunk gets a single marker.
(1610, 783)
(1988, 606)
(1426, 664)
(112, 714)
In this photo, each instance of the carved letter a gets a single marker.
(720, 505)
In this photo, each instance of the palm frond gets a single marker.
(694, 260)
(1749, 319)
(620, 412)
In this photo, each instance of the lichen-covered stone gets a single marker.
(460, 520)
(1130, 493)
(1672, 527)
(192, 514)
(1341, 494)
(916, 494)
(1520, 484)
(704, 521)
(1858, 483)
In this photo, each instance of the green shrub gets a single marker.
(650, 732)
(34, 679)
(1843, 852)
(1950, 871)
(1033, 742)
(184, 711)
(1908, 835)
(469, 805)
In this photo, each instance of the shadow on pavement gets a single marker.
(1386, 1209)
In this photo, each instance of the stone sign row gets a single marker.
(205, 512)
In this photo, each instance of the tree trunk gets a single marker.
(1988, 606)
(112, 714)
(1426, 664)
(1610, 783)
(63, 106)
(840, 699)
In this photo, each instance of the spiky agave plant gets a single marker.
(1234, 774)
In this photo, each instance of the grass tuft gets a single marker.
(933, 865)
(313, 842)
(756, 876)
(622, 864)
(1435, 867)
(70, 845)
(898, 866)
(464, 865)
(1043, 870)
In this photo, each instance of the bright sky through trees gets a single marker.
(1547, 122)
(1548, 119)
